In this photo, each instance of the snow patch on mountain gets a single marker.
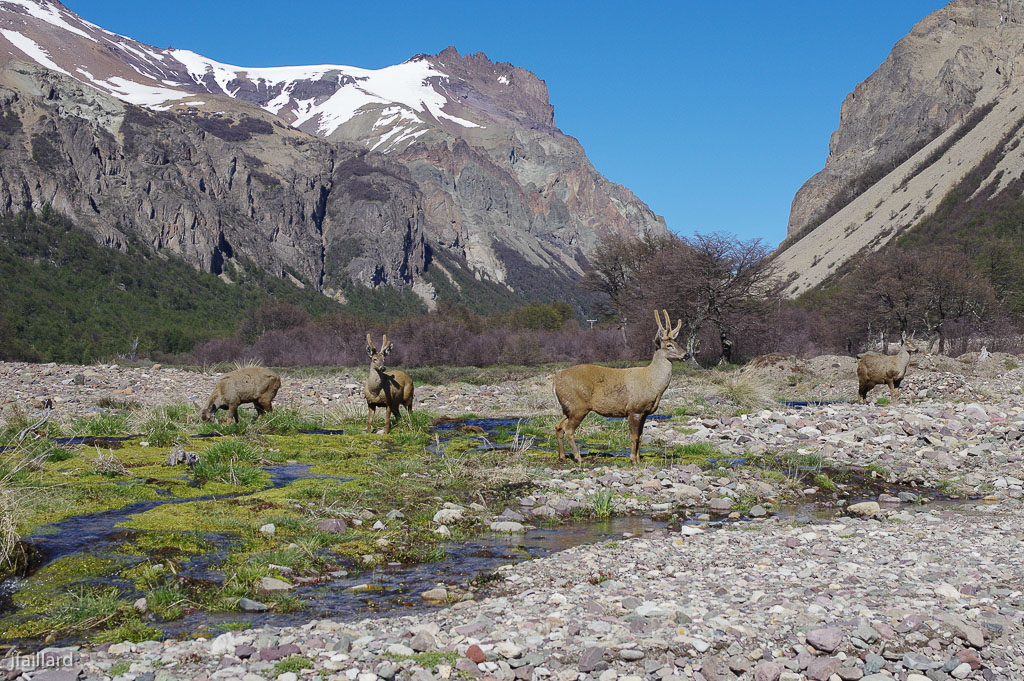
(32, 49)
(138, 94)
(410, 84)
(51, 14)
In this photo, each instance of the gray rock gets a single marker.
(272, 585)
(873, 663)
(720, 505)
(631, 654)
(438, 594)
(866, 509)
(913, 660)
(249, 605)
(423, 641)
(821, 668)
(507, 527)
(58, 674)
(332, 525)
(592, 659)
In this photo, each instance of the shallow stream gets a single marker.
(393, 587)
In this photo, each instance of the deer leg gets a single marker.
(636, 430)
(369, 419)
(571, 428)
(560, 434)
(892, 390)
(387, 419)
(233, 412)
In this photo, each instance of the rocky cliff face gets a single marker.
(946, 96)
(331, 175)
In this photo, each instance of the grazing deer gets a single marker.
(383, 388)
(253, 385)
(634, 393)
(875, 369)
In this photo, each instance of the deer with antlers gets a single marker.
(388, 389)
(633, 393)
(877, 369)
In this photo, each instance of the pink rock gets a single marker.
(767, 671)
(827, 639)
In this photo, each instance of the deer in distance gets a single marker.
(252, 385)
(876, 369)
(388, 389)
(633, 393)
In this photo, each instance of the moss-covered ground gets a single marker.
(386, 488)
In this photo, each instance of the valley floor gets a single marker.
(926, 584)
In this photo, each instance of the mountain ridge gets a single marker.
(946, 97)
(465, 156)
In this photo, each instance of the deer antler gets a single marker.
(369, 344)
(668, 331)
(385, 346)
(661, 328)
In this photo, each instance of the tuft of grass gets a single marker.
(134, 630)
(748, 388)
(108, 465)
(119, 668)
(230, 461)
(430, 659)
(882, 401)
(164, 426)
(107, 423)
(167, 603)
(118, 404)
(823, 481)
(87, 609)
(294, 664)
(603, 503)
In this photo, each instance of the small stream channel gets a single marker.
(395, 587)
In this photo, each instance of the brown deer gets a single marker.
(388, 389)
(876, 369)
(634, 393)
(252, 385)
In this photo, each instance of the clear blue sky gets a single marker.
(713, 113)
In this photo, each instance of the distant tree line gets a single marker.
(69, 299)
(728, 295)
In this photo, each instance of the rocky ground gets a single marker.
(882, 590)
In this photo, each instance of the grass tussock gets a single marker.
(747, 389)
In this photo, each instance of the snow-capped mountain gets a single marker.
(403, 102)
(487, 178)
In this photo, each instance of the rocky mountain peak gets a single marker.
(333, 176)
(945, 97)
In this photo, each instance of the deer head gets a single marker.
(377, 356)
(666, 339)
(908, 344)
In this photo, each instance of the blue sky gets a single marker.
(713, 113)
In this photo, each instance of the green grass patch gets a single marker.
(294, 664)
